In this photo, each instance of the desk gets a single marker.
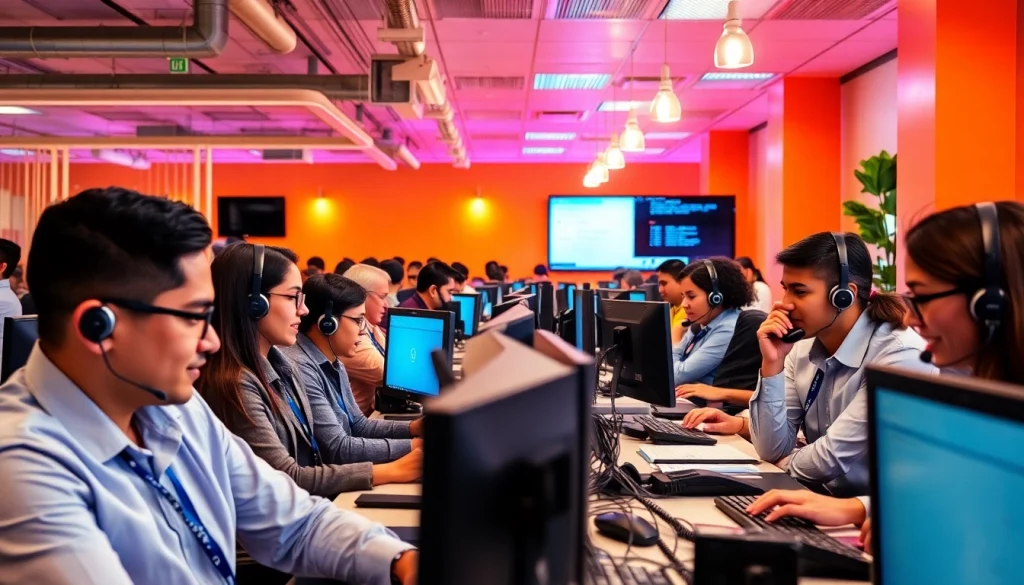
(698, 511)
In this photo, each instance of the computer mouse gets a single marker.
(628, 528)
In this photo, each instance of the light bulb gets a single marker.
(734, 49)
(592, 178)
(613, 157)
(666, 107)
(601, 167)
(632, 139)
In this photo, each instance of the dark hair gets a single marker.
(400, 260)
(394, 269)
(746, 262)
(343, 266)
(819, 253)
(493, 271)
(461, 269)
(948, 246)
(736, 291)
(371, 261)
(672, 267)
(344, 293)
(504, 271)
(618, 273)
(10, 253)
(109, 242)
(415, 264)
(540, 270)
(435, 274)
(239, 335)
(432, 259)
(316, 261)
(633, 278)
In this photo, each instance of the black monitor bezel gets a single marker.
(478, 309)
(448, 344)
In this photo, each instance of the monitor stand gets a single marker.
(397, 406)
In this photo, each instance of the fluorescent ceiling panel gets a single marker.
(666, 135)
(16, 111)
(736, 76)
(543, 150)
(713, 9)
(550, 135)
(555, 81)
(624, 106)
(652, 150)
(14, 152)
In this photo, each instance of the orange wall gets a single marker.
(434, 211)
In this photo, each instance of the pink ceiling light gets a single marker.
(665, 106)
(734, 49)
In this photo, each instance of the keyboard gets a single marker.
(663, 431)
(602, 571)
(824, 555)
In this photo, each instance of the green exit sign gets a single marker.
(179, 64)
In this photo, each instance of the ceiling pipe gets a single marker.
(219, 142)
(261, 18)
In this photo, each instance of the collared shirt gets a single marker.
(10, 306)
(414, 302)
(836, 425)
(73, 513)
(341, 429)
(699, 363)
(366, 368)
(677, 314)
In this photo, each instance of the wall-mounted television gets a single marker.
(605, 233)
(250, 216)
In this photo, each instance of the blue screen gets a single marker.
(612, 285)
(466, 305)
(949, 483)
(485, 300)
(517, 286)
(637, 295)
(410, 342)
(570, 296)
(579, 331)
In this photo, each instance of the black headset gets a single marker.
(259, 306)
(841, 296)
(715, 298)
(988, 305)
(97, 323)
(328, 323)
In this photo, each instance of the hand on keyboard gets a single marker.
(714, 420)
(819, 509)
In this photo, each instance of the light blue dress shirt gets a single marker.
(836, 454)
(71, 512)
(10, 306)
(707, 353)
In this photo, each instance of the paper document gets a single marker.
(731, 469)
(689, 454)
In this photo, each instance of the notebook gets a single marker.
(682, 454)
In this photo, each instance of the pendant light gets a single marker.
(591, 180)
(601, 168)
(665, 106)
(613, 157)
(734, 50)
(632, 139)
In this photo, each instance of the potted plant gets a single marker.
(877, 224)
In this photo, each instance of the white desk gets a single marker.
(697, 511)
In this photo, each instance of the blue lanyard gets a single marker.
(812, 394)
(373, 340)
(693, 343)
(183, 505)
(305, 427)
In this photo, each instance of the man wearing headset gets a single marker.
(113, 470)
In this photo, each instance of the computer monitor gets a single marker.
(518, 285)
(500, 308)
(506, 289)
(608, 293)
(947, 472)
(490, 295)
(469, 314)
(585, 321)
(412, 335)
(643, 337)
(607, 284)
(570, 297)
(545, 292)
(632, 295)
(651, 288)
(532, 301)
(20, 334)
(518, 322)
(498, 502)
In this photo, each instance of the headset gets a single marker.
(97, 324)
(988, 305)
(715, 297)
(328, 323)
(259, 306)
(841, 296)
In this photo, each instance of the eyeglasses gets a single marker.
(915, 302)
(381, 296)
(298, 297)
(139, 307)
(360, 321)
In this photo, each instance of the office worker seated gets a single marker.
(945, 270)
(434, 286)
(366, 367)
(713, 292)
(103, 440)
(461, 279)
(333, 329)
(258, 392)
(412, 272)
(396, 274)
(630, 280)
(671, 293)
(762, 292)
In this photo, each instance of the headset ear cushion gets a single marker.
(841, 298)
(259, 306)
(97, 324)
(715, 299)
(988, 306)
(327, 326)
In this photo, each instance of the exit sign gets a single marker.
(179, 64)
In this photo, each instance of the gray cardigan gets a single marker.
(280, 440)
(341, 429)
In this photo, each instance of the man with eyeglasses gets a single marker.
(113, 470)
(366, 367)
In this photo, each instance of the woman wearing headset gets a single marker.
(945, 274)
(817, 384)
(256, 390)
(713, 292)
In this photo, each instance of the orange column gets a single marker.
(725, 170)
(804, 168)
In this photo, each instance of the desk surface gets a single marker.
(697, 511)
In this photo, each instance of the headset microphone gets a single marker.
(96, 325)
(159, 395)
(926, 356)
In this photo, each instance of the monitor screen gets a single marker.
(605, 233)
(251, 216)
(20, 334)
(466, 313)
(517, 286)
(637, 295)
(949, 480)
(410, 342)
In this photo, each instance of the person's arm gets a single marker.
(715, 394)
(367, 366)
(336, 445)
(48, 530)
(776, 414)
(258, 432)
(703, 359)
(282, 527)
